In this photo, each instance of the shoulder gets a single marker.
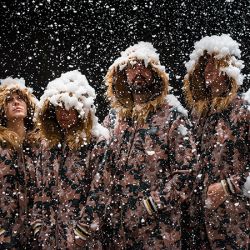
(240, 109)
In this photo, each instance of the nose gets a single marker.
(16, 101)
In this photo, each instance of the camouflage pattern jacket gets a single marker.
(63, 181)
(142, 162)
(17, 192)
(224, 153)
(13, 198)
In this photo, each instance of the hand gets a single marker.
(156, 197)
(215, 196)
(79, 242)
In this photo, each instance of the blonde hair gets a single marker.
(7, 137)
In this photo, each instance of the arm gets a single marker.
(9, 197)
(179, 170)
(238, 150)
(94, 208)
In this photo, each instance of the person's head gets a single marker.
(136, 84)
(16, 103)
(137, 78)
(213, 73)
(67, 110)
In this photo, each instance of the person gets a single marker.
(221, 125)
(17, 105)
(145, 174)
(69, 131)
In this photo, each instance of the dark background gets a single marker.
(39, 40)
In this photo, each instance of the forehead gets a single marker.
(134, 64)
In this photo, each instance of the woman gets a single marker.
(17, 106)
(70, 129)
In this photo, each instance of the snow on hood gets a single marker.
(12, 83)
(141, 51)
(174, 102)
(220, 47)
(9, 84)
(72, 90)
(246, 96)
(145, 52)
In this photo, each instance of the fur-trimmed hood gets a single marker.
(8, 87)
(225, 51)
(71, 90)
(145, 52)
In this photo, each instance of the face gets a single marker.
(138, 76)
(66, 118)
(215, 80)
(16, 108)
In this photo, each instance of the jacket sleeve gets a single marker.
(37, 209)
(9, 197)
(94, 208)
(239, 150)
(180, 170)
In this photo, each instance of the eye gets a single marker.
(20, 98)
(9, 99)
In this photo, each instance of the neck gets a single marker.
(18, 127)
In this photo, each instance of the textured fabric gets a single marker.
(224, 147)
(13, 199)
(154, 159)
(63, 181)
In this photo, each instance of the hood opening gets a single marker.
(124, 104)
(78, 135)
(198, 97)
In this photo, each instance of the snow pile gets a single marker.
(72, 90)
(19, 83)
(246, 96)
(220, 47)
(246, 188)
(174, 102)
(141, 51)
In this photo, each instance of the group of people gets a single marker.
(153, 175)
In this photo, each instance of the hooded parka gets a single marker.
(65, 172)
(221, 126)
(151, 155)
(16, 171)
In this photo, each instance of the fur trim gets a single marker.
(7, 137)
(204, 104)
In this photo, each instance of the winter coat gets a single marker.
(221, 127)
(13, 199)
(156, 157)
(63, 181)
(17, 189)
(224, 147)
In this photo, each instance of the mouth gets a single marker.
(17, 109)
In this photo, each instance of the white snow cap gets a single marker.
(14, 82)
(246, 188)
(73, 91)
(141, 51)
(174, 102)
(246, 96)
(220, 46)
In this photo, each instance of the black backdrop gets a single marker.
(39, 40)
